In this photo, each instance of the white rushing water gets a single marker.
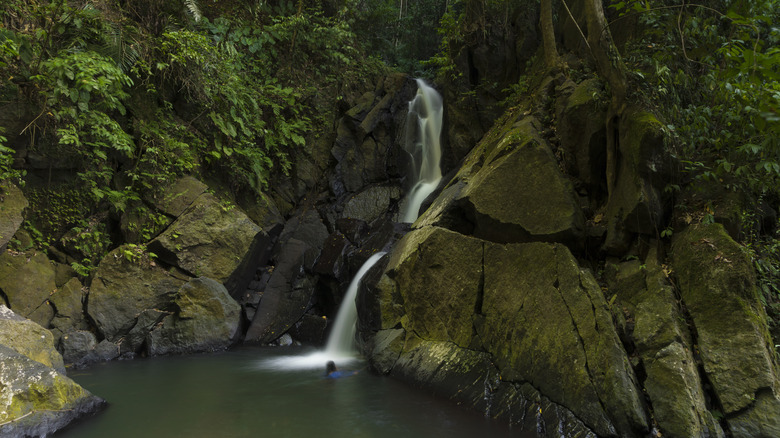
(423, 143)
(339, 347)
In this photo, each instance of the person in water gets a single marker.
(331, 372)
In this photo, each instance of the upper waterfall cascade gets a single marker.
(423, 142)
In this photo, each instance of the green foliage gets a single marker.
(713, 71)
(7, 171)
(403, 34)
(81, 90)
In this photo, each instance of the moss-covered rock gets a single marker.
(27, 279)
(123, 290)
(574, 357)
(29, 339)
(672, 379)
(213, 239)
(581, 128)
(439, 273)
(36, 400)
(717, 284)
(510, 189)
(12, 204)
(528, 308)
(69, 305)
(206, 319)
(469, 377)
(643, 170)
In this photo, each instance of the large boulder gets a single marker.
(541, 319)
(581, 129)
(288, 294)
(717, 285)
(36, 398)
(68, 303)
(27, 279)
(12, 204)
(672, 381)
(510, 189)
(371, 203)
(29, 339)
(128, 294)
(644, 167)
(206, 319)
(215, 240)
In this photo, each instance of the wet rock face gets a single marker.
(364, 147)
(36, 398)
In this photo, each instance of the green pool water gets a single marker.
(233, 394)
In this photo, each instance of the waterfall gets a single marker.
(339, 347)
(342, 336)
(423, 143)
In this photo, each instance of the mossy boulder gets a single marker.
(36, 400)
(12, 204)
(440, 272)
(546, 322)
(213, 239)
(179, 196)
(469, 377)
(27, 280)
(206, 319)
(581, 128)
(672, 381)
(717, 285)
(510, 189)
(536, 316)
(29, 339)
(69, 305)
(123, 291)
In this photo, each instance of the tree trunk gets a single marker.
(601, 46)
(548, 34)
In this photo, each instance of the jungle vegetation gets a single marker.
(134, 93)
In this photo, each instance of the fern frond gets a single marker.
(194, 9)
